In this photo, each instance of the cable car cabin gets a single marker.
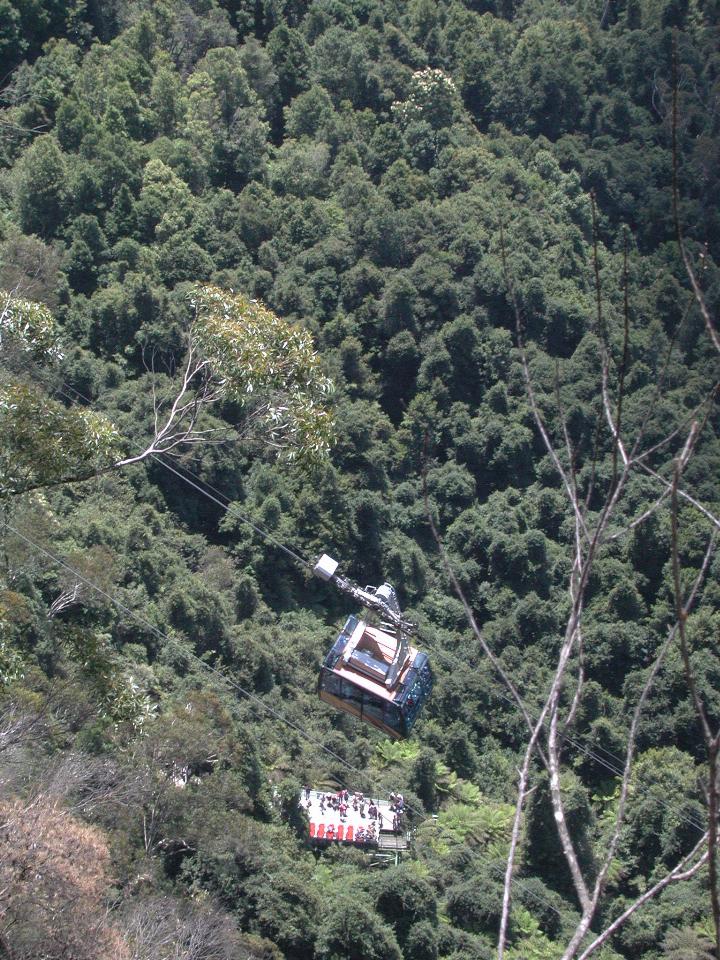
(357, 677)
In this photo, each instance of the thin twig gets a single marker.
(712, 740)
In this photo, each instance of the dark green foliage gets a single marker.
(377, 172)
(475, 904)
(423, 779)
(42, 190)
(421, 943)
(351, 931)
(460, 754)
(542, 844)
(405, 901)
(686, 945)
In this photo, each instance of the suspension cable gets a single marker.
(615, 769)
(247, 694)
(167, 638)
(232, 510)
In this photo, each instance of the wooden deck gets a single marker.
(393, 841)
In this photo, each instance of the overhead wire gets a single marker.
(303, 561)
(224, 503)
(233, 511)
(252, 697)
(578, 745)
(225, 679)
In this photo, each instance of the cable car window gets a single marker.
(331, 683)
(411, 710)
(351, 693)
(371, 671)
(392, 717)
(374, 709)
(338, 647)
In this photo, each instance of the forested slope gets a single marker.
(474, 210)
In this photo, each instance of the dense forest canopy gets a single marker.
(427, 285)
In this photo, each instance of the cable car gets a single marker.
(371, 671)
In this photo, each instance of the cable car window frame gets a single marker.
(354, 689)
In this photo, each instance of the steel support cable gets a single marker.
(224, 678)
(303, 561)
(582, 748)
(232, 510)
(579, 746)
(253, 698)
(600, 761)
(228, 506)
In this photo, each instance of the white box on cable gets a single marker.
(325, 567)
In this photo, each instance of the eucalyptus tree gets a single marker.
(236, 350)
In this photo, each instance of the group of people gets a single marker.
(366, 834)
(397, 808)
(343, 800)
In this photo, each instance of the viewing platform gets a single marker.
(354, 822)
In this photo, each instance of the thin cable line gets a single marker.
(230, 508)
(582, 748)
(250, 696)
(233, 511)
(615, 770)
(171, 640)
(362, 775)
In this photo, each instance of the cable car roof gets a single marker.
(350, 665)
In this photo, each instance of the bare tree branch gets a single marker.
(711, 739)
(591, 531)
(198, 390)
(522, 793)
(710, 325)
(684, 870)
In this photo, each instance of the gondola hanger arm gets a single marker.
(382, 599)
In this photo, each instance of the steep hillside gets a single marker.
(497, 223)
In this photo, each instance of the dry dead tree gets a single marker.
(160, 927)
(593, 529)
(591, 532)
(709, 728)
